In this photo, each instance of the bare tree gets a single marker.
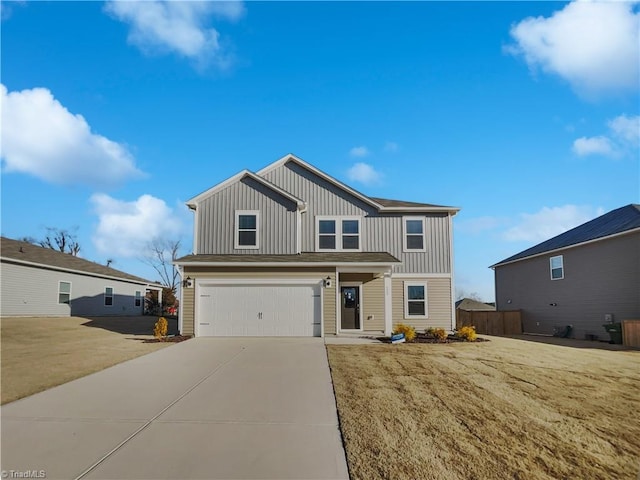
(161, 254)
(462, 294)
(58, 239)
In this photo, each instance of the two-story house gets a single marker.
(291, 251)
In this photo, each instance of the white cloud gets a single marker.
(595, 46)
(360, 152)
(126, 228)
(549, 222)
(177, 26)
(42, 138)
(593, 146)
(364, 173)
(623, 138)
(626, 129)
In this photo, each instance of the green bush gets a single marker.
(467, 333)
(409, 332)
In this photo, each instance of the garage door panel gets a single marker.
(258, 310)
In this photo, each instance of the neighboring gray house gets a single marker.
(37, 281)
(291, 251)
(584, 277)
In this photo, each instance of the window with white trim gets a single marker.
(338, 233)
(413, 229)
(108, 296)
(246, 229)
(415, 300)
(64, 292)
(138, 299)
(556, 266)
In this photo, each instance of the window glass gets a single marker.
(327, 242)
(416, 308)
(64, 292)
(415, 299)
(247, 222)
(138, 300)
(557, 268)
(415, 242)
(350, 242)
(108, 296)
(414, 226)
(247, 238)
(327, 226)
(350, 226)
(415, 292)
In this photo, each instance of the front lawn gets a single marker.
(40, 353)
(502, 409)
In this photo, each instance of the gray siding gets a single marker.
(599, 278)
(216, 220)
(380, 233)
(30, 291)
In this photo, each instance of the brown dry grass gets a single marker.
(40, 353)
(505, 409)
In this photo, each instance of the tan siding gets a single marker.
(329, 299)
(373, 298)
(187, 311)
(438, 303)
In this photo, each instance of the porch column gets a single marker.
(388, 302)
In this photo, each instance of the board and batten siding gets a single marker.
(380, 232)
(600, 278)
(32, 291)
(188, 294)
(216, 220)
(439, 303)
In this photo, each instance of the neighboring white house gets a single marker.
(37, 281)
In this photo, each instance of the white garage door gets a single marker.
(257, 310)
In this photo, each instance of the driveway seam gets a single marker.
(150, 421)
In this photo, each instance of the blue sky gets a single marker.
(525, 115)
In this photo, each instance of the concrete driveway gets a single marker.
(207, 408)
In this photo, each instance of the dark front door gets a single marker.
(350, 311)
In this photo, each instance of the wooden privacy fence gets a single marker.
(507, 322)
(631, 333)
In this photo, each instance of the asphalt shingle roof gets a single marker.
(305, 257)
(27, 252)
(616, 221)
(386, 202)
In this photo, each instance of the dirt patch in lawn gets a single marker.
(501, 409)
(40, 353)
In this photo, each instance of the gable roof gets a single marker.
(381, 204)
(621, 220)
(238, 177)
(469, 304)
(26, 253)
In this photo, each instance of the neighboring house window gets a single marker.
(138, 299)
(108, 296)
(246, 235)
(64, 292)
(557, 268)
(338, 233)
(413, 232)
(415, 300)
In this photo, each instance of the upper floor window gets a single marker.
(64, 292)
(246, 229)
(108, 296)
(338, 233)
(556, 265)
(413, 232)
